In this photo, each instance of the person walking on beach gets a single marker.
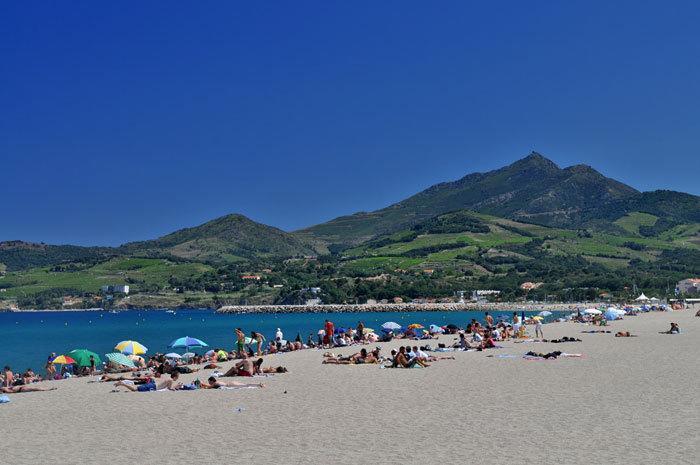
(328, 338)
(240, 342)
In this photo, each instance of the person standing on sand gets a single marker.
(328, 338)
(489, 320)
(279, 335)
(9, 377)
(259, 339)
(538, 329)
(359, 336)
(92, 364)
(50, 368)
(240, 343)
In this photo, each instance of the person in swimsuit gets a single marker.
(240, 342)
(213, 383)
(150, 385)
(25, 388)
(489, 319)
(243, 368)
(259, 339)
(9, 377)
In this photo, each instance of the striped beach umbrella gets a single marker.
(120, 359)
(63, 360)
(131, 348)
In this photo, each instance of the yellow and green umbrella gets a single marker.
(131, 348)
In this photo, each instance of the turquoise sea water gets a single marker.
(26, 339)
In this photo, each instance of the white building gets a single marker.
(688, 286)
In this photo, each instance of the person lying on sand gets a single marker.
(151, 385)
(213, 383)
(25, 388)
(563, 339)
(359, 358)
(267, 370)
(624, 334)
(674, 329)
(554, 354)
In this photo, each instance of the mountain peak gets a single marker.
(536, 159)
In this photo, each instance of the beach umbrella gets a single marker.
(82, 357)
(62, 360)
(436, 329)
(538, 318)
(187, 342)
(391, 326)
(592, 311)
(209, 353)
(544, 313)
(611, 315)
(131, 348)
(188, 355)
(415, 326)
(339, 330)
(173, 355)
(120, 359)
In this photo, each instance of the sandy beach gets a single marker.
(628, 400)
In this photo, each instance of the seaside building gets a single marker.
(688, 286)
(120, 288)
(481, 294)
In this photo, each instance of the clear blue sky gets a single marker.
(124, 121)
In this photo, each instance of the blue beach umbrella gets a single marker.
(610, 315)
(339, 330)
(188, 343)
(545, 313)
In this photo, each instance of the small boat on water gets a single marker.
(171, 311)
(113, 311)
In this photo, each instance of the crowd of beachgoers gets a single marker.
(419, 347)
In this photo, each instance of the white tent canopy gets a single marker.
(642, 297)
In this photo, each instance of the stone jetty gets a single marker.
(404, 307)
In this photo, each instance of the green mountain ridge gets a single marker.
(573, 229)
(533, 189)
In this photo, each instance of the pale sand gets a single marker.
(630, 400)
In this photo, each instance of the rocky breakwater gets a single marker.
(405, 307)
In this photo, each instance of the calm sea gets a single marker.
(28, 338)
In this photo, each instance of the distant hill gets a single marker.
(226, 239)
(533, 190)
(232, 238)
(20, 255)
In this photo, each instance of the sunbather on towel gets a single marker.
(25, 388)
(213, 383)
(169, 384)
